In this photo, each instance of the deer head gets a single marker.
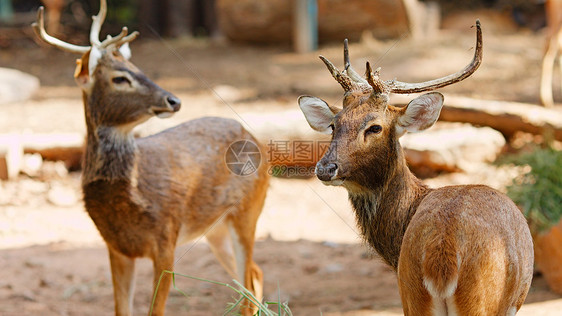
(364, 150)
(116, 93)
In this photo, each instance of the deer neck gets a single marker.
(111, 152)
(384, 212)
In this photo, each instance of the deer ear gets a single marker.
(317, 113)
(421, 113)
(81, 73)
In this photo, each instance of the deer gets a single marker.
(456, 250)
(553, 13)
(148, 195)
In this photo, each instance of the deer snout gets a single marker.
(326, 171)
(173, 102)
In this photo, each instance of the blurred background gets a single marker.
(250, 60)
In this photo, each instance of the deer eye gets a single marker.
(375, 129)
(120, 80)
(332, 127)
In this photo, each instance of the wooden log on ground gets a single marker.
(11, 155)
(506, 117)
(56, 147)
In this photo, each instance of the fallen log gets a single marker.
(503, 116)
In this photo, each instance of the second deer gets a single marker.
(147, 195)
(457, 250)
(553, 11)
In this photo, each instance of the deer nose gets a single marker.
(325, 172)
(173, 102)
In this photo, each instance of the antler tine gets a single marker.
(348, 69)
(97, 23)
(129, 38)
(342, 78)
(403, 87)
(39, 28)
(120, 39)
(111, 40)
(373, 79)
(346, 61)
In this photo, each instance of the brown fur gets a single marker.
(143, 193)
(469, 236)
(149, 194)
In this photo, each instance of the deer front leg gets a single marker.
(162, 281)
(123, 277)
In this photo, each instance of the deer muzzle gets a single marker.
(172, 104)
(326, 171)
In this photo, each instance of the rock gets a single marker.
(53, 170)
(33, 186)
(31, 164)
(62, 196)
(452, 147)
(16, 86)
(272, 21)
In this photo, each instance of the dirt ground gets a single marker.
(53, 262)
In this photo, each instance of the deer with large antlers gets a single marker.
(457, 250)
(147, 195)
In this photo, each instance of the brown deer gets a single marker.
(147, 195)
(457, 250)
(553, 11)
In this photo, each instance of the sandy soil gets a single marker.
(53, 261)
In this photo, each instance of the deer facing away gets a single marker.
(147, 195)
(457, 250)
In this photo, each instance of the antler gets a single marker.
(348, 69)
(373, 79)
(403, 87)
(348, 78)
(98, 20)
(39, 28)
(122, 38)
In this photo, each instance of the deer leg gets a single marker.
(546, 76)
(164, 260)
(233, 256)
(248, 271)
(123, 277)
(221, 245)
